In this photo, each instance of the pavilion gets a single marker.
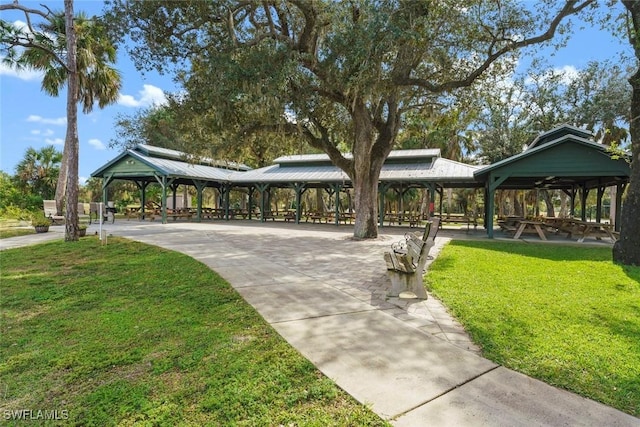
(565, 158)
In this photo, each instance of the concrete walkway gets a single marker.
(325, 294)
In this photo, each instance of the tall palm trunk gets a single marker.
(71, 144)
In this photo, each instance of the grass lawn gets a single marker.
(5, 233)
(128, 333)
(564, 314)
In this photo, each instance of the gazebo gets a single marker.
(564, 158)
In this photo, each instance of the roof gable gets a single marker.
(559, 132)
(395, 157)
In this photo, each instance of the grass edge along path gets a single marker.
(563, 314)
(129, 333)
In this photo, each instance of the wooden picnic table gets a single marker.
(526, 226)
(582, 229)
(594, 229)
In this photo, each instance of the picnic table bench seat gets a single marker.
(179, 213)
(460, 219)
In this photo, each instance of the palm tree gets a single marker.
(71, 51)
(38, 170)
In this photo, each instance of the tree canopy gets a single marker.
(339, 75)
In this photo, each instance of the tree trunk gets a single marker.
(71, 141)
(369, 154)
(546, 196)
(365, 185)
(627, 249)
(61, 186)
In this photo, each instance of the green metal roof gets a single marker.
(560, 163)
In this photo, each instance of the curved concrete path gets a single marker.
(325, 294)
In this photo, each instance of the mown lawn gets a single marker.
(5, 233)
(564, 314)
(128, 333)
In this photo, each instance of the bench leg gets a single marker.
(406, 282)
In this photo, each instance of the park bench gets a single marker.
(407, 259)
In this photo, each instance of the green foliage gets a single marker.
(43, 47)
(37, 172)
(108, 333)
(564, 314)
(15, 202)
(39, 220)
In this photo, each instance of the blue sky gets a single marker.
(30, 118)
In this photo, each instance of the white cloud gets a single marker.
(567, 73)
(26, 74)
(150, 95)
(97, 144)
(22, 74)
(54, 141)
(82, 180)
(39, 119)
(45, 132)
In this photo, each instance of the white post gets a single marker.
(100, 218)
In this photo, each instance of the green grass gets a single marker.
(564, 314)
(5, 233)
(132, 334)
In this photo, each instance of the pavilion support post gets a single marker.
(251, 190)
(263, 189)
(336, 208)
(432, 199)
(174, 199)
(619, 191)
(382, 191)
(299, 188)
(143, 196)
(164, 199)
(493, 183)
(440, 192)
(105, 183)
(601, 191)
(164, 183)
(225, 189)
(200, 186)
(584, 193)
(572, 200)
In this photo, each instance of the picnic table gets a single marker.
(582, 229)
(526, 226)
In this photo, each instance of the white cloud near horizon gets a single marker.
(149, 96)
(22, 74)
(567, 73)
(60, 121)
(46, 132)
(54, 141)
(97, 144)
(25, 74)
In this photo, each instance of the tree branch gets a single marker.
(570, 8)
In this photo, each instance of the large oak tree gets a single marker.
(341, 75)
(627, 249)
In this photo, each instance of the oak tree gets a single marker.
(340, 75)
